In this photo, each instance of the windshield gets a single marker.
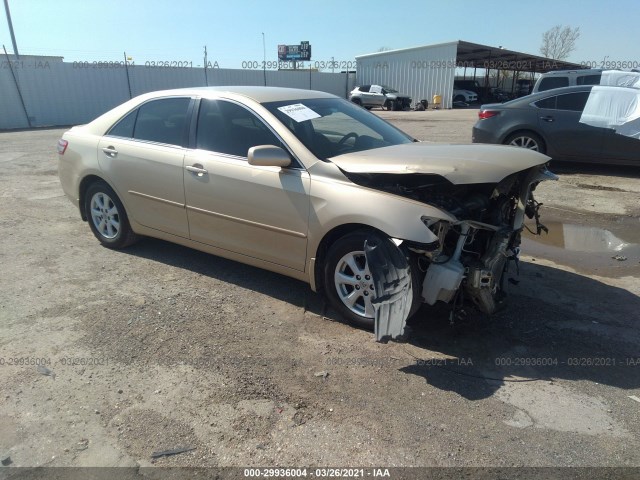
(329, 127)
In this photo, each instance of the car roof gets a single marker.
(583, 71)
(256, 93)
(534, 97)
(240, 93)
(561, 90)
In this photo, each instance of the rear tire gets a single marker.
(107, 217)
(345, 266)
(528, 140)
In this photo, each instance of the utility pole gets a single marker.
(126, 69)
(15, 80)
(264, 60)
(206, 78)
(13, 36)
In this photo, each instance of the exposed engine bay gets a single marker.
(472, 254)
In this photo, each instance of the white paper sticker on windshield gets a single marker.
(299, 112)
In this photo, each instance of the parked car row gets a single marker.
(387, 98)
(470, 91)
(547, 121)
(554, 122)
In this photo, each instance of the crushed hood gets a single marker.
(460, 164)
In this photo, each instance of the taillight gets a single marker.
(62, 146)
(484, 114)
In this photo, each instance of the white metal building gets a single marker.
(421, 72)
(429, 70)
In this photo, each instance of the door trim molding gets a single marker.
(248, 222)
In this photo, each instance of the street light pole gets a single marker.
(13, 37)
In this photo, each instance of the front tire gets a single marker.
(107, 217)
(348, 282)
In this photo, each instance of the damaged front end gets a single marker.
(475, 251)
(472, 253)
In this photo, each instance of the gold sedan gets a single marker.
(295, 181)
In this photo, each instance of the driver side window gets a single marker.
(225, 127)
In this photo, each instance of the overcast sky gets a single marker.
(170, 30)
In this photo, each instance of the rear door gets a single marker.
(364, 94)
(142, 156)
(559, 121)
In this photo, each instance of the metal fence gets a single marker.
(37, 94)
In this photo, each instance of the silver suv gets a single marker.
(370, 96)
(567, 78)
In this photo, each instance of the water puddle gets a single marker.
(584, 247)
(580, 238)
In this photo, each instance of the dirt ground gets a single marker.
(158, 346)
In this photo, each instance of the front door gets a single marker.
(261, 212)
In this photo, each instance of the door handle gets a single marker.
(547, 119)
(110, 151)
(197, 169)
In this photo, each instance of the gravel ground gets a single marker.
(159, 346)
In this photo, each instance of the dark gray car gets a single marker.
(549, 122)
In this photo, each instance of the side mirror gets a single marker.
(268, 156)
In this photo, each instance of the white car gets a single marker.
(387, 98)
(466, 96)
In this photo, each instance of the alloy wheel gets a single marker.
(354, 284)
(524, 141)
(105, 215)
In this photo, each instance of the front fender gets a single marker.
(339, 203)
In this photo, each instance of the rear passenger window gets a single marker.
(549, 102)
(225, 127)
(553, 82)
(124, 128)
(572, 101)
(163, 121)
(589, 80)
